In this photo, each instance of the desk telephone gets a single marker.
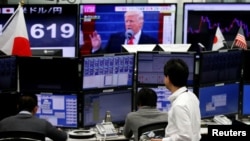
(221, 119)
(106, 128)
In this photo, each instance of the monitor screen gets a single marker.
(219, 99)
(49, 74)
(220, 67)
(246, 66)
(95, 105)
(108, 70)
(8, 105)
(51, 27)
(108, 20)
(8, 74)
(245, 109)
(200, 21)
(150, 66)
(59, 109)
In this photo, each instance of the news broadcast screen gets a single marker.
(107, 19)
(200, 21)
(51, 28)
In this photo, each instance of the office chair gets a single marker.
(147, 131)
(21, 136)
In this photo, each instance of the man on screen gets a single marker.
(133, 35)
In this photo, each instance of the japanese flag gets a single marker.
(219, 39)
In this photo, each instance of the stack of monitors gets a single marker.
(49, 74)
(8, 74)
(60, 109)
(150, 66)
(200, 21)
(107, 19)
(55, 36)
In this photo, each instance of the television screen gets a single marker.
(8, 74)
(108, 21)
(96, 103)
(246, 66)
(150, 66)
(58, 108)
(8, 104)
(220, 66)
(49, 74)
(200, 21)
(245, 109)
(51, 27)
(108, 70)
(219, 99)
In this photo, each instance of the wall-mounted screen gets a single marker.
(52, 28)
(220, 66)
(150, 66)
(96, 103)
(8, 74)
(108, 21)
(59, 109)
(219, 99)
(49, 74)
(200, 21)
(108, 70)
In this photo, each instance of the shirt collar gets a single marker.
(178, 92)
(25, 112)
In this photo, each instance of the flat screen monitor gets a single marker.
(221, 99)
(220, 66)
(246, 66)
(8, 74)
(159, 24)
(8, 104)
(200, 21)
(245, 109)
(59, 108)
(96, 103)
(108, 70)
(49, 74)
(51, 27)
(150, 66)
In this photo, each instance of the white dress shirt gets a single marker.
(184, 117)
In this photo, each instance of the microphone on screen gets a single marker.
(129, 34)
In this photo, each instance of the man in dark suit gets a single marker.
(134, 35)
(25, 120)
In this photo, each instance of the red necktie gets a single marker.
(130, 41)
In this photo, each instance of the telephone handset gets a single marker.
(106, 129)
(221, 119)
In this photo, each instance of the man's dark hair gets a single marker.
(27, 102)
(146, 97)
(177, 71)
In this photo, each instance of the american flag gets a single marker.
(240, 40)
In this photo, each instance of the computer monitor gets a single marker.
(61, 109)
(8, 74)
(8, 104)
(49, 74)
(106, 19)
(220, 99)
(220, 66)
(200, 21)
(96, 103)
(246, 66)
(58, 32)
(245, 108)
(108, 70)
(150, 66)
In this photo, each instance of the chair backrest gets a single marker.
(21, 136)
(158, 128)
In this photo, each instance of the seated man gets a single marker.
(146, 100)
(26, 120)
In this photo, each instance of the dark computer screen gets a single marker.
(108, 70)
(49, 74)
(8, 104)
(150, 66)
(219, 99)
(200, 21)
(106, 19)
(95, 105)
(246, 66)
(220, 66)
(58, 33)
(245, 100)
(59, 109)
(8, 74)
